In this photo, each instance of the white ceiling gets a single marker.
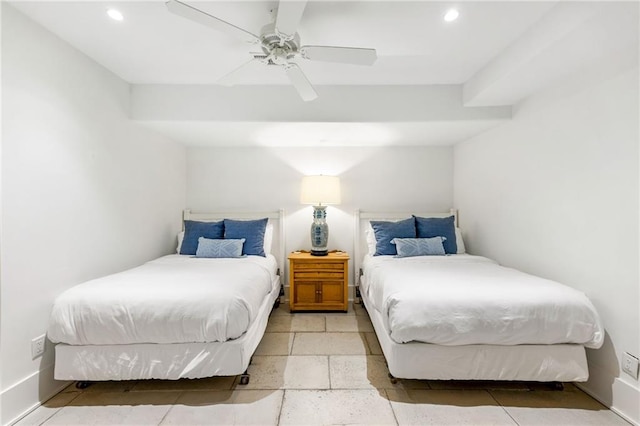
(414, 44)
(484, 51)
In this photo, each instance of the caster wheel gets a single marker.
(244, 379)
(82, 385)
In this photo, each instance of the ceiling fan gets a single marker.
(279, 43)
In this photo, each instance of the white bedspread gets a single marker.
(465, 300)
(173, 299)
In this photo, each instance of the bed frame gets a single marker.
(189, 360)
(415, 360)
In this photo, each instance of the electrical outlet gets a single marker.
(37, 346)
(630, 365)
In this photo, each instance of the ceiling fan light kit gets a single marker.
(280, 44)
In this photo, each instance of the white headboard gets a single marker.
(275, 217)
(362, 219)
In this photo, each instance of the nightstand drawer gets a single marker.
(319, 265)
(318, 275)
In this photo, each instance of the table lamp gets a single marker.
(320, 191)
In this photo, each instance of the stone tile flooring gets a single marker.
(320, 369)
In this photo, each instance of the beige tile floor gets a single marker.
(320, 369)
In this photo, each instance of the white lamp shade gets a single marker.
(320, 190)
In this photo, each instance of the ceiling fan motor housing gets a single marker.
(278, 47)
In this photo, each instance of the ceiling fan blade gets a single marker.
(229, 79)
(300, 82)
(289, 15)
(197, 15)
(345, 55)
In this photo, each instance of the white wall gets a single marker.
(85, 192)
(373, 179)
(555, 193)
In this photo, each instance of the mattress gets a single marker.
(173, 299)
(467, 300)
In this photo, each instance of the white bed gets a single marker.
(173, 317)
(463, 317)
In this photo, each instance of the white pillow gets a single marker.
(180, 238)
(268, 239)
(460, 242)
(371, 240)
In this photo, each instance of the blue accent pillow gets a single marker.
(219, 248)
(251, 230)
(408, 247)
(194, 230)
(429, 227)
(387, 231)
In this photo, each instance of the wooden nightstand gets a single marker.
(318, 283)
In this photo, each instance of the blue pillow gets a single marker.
(408, 247)
(387, 231)
(219, 248)
(428, 227)
(251, 230)
(194, 230)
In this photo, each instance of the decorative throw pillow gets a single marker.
(387, 231)
(219, 248)
(408, 247)
(194, 230)
(251, 230)
(429, 227)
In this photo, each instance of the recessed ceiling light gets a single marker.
(115, 14)
(451, 15)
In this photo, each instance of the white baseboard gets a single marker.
(28, 394)
(621, 397)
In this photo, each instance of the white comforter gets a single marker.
(464, 300)
(173, 299)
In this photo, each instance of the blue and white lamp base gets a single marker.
(319, 231)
